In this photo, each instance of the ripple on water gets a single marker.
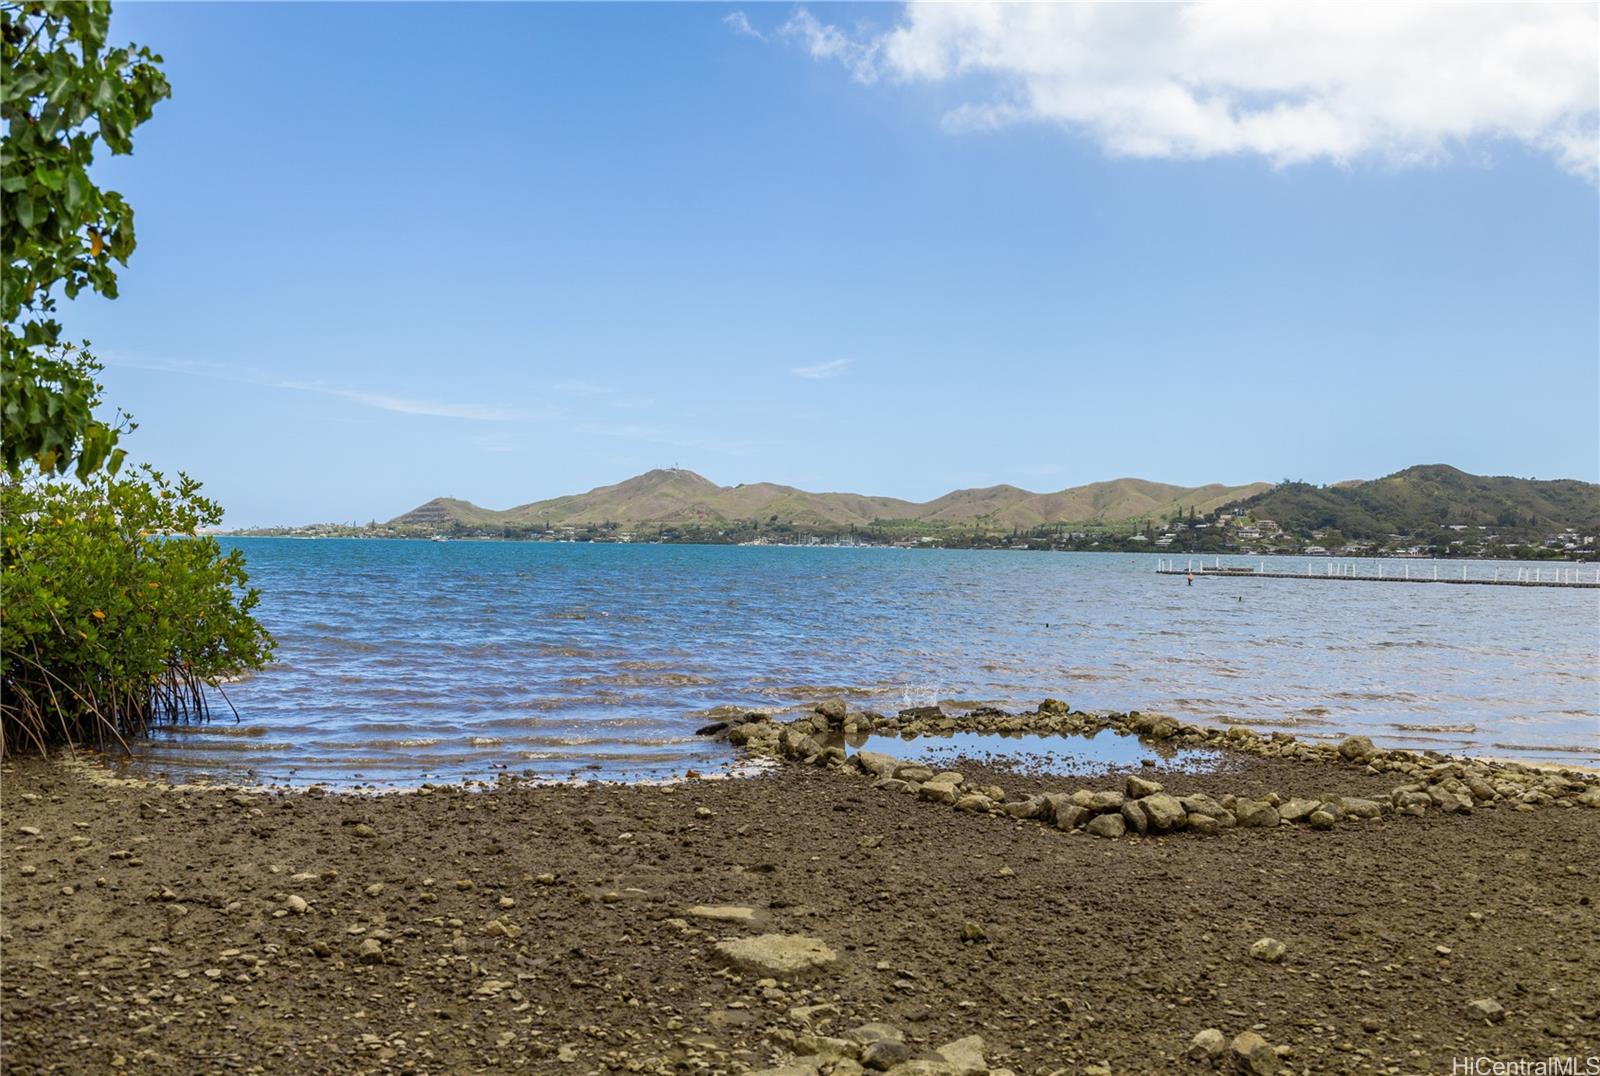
(396, 656)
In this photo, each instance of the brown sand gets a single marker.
(176, 951)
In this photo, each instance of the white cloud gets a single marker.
(823, 369)
(246, 376)
(405, 406)
(741, 25)
(1402, 82)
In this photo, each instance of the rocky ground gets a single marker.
(577, 930)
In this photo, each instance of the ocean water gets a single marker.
(405, 661)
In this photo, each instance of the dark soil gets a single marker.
(176, 952)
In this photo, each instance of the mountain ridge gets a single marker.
(679, 496)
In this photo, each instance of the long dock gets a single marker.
(1560, 575)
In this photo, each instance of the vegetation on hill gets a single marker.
(1424, 498)
(678, 497)
(115, 613)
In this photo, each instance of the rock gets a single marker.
(1253, 814)
(1071, 816)
(1107, 825)
(1356, 747)
(1032, 807)
(1321, 819)
(974, 802)
(937, 791)
(364, 830)
(704, 812)
(297, 905)
(1486, 1009)
(1359, 808)
(777, 955)
(886, 1053)
(1207, 1045)
(833, 710)
(1054, 707)
(1253, 1055)
(1590, 797)
(722, 913)
(1202, 824)
(1098, 802)
(965, 1056)
(370, 952)
(1297, 810)
(971, 932)
(1164, 812)
(1134, 818)
(1138, 787)
(1270, 950)
(875, 1032)
(877, 763)
(913, 771)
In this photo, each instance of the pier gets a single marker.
(1517, 575)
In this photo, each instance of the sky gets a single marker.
(505, 252)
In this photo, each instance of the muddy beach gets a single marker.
(577, 929)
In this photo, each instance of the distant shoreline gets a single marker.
(300, 534)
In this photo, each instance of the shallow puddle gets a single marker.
(1095, 753)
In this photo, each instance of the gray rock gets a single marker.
(913, 771)
(1359, 808)
(877, 764)
(965, 1056)
(722, 913)
(777, 955)
(1032, 807)
(1269, 950)
(1164, 811)
(1138, 787)
(1071, 816)
(1253, 1055)
(875, 1032)
(1253, 814)
(884, 1054)
(975, 803)
(1207, 1045)
(1203, 824)
(1297, 810)
(1321, 819)
(370, 951)
(833, 710)
(1356, 747)
(1134, 818)
(1486, 1009)
(1098, 802)
(1107, 825)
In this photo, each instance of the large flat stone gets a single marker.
(777, 954)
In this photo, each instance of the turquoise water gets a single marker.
(403, 661)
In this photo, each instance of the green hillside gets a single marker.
(1428, 497)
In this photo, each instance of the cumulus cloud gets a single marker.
(1402, 82)
(822, 369)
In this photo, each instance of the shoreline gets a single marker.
(562, 928)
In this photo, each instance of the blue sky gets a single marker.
(506, 252)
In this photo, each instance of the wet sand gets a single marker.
(179, 950)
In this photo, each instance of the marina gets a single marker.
(1517, 575)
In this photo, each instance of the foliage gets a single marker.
(64, 93)
(116, 611)
(1421, 499)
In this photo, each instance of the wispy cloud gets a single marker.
(399, 404)
(584, 389)
(1404, 82)
(741, 25)
(406, 406)
(823, 369)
